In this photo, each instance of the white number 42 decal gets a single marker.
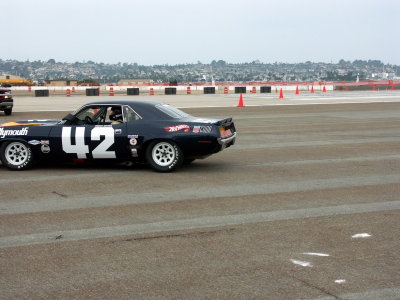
(80, 148)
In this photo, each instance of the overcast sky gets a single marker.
(153, 32)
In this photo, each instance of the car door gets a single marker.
(89, 141)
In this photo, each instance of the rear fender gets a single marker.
(148, 142)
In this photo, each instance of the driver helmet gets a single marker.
(116, 114)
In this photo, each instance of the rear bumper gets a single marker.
(225, 143)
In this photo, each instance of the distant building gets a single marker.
(383, 75)
(14, 80)
(134, 81)
(61, 82)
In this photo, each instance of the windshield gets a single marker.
(172, 111)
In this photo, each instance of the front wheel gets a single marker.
(16, 156)
(8, 111)
(164, 156)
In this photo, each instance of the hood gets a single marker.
(32, 123)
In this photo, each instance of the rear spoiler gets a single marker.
(224, 122)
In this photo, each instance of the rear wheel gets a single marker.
(8, 111)
(164, 156)
(16, 155)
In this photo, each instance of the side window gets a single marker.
(106, 115)
(92, 112)
(114, 115)
(130, 115)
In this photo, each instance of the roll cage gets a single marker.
(98, 114)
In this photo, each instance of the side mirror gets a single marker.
(70, 118)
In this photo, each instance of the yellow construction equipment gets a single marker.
(14, 80)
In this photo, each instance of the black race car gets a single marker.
(6, 100)
(142, 131)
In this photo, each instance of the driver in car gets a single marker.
(116, 116)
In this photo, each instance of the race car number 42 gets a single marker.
(81, 149)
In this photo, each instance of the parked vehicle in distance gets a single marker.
(140, 131)
(6, 100)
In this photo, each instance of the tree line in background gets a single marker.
(218, 70)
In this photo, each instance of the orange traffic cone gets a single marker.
(240, 104)
(392, 87)
(297, 90)
(324, 90)
(312, 89)
(281, 94)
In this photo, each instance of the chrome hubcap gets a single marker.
(163, 154)
(16, 153)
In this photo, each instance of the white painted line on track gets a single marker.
(240, 146)
(316, 254)
(302, 263)
(366, 294)
(280, 103)
(294, 104)
(361, 235)
(340, 281)
(44, 110)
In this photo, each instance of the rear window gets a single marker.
(171, 111)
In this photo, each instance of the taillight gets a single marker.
(224, 133)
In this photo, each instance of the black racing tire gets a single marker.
(8, 111)
(164, 156)
(16, 155)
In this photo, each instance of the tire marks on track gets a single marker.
(195, 223)
(189, 194)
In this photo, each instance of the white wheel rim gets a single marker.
(163, 154)
(16, 153)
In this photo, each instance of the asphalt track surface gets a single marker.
(306, 205)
